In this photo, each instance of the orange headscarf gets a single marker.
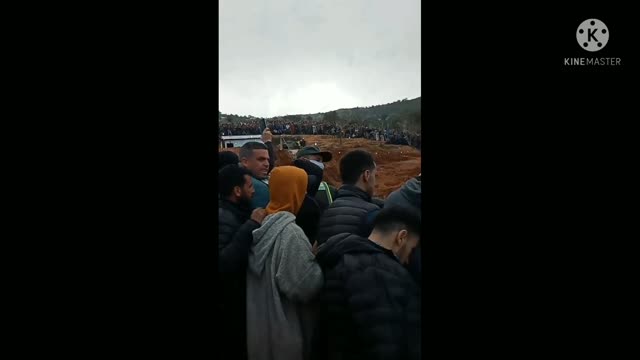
(287, 187)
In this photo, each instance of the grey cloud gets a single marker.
(287, 56)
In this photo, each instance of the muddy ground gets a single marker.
(396, 163)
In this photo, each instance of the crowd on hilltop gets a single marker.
(308, 271)
(308, 127)
(241, 128)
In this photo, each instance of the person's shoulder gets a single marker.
(372, 263)
(223, 208)
(394, 198)
(369, 270)
(226, 216)
(393, 270)
(258, 184)
(288, 223)
(377, 202)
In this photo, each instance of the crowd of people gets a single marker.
(309, 271)
(241, 128)
(309, 127)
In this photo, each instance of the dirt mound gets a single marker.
(396, 163)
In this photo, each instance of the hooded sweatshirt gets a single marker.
(282, 275)
(408, 195)
(288, 186)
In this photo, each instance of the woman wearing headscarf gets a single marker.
(283, 276)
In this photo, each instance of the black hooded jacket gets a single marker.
(309, 214)
(321, 197)
(369, 305)
(234, 241)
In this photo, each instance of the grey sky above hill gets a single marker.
(280, 57)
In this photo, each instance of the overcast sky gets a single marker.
(280, 57)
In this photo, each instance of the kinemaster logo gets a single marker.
(592, 36)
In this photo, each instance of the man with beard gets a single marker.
(236, 222)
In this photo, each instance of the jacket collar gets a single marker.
(353, 191)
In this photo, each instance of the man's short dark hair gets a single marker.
(226, 158)
(395, 218)
(353, 164)
(231, 176)
(246, 151)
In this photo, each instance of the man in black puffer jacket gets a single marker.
(236, 222)
(370, 305)
(352, 211)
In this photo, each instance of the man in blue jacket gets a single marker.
(254, 156)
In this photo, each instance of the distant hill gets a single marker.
(405, 114)
(378, 111)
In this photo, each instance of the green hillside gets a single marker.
(401, 114)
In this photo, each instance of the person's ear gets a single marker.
(366, 175)
(401, 238)
(237, 191)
